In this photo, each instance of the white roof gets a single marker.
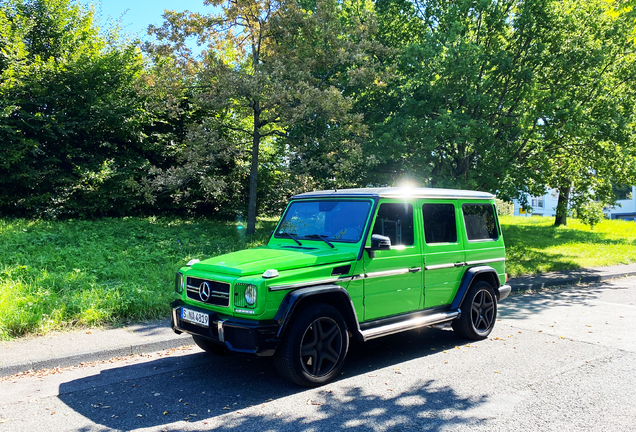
(398, 192)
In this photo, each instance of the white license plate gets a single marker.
(195, 317)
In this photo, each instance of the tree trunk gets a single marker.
(256, 141)
(562, 206)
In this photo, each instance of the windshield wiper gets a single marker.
(291, 236)
(319, 237)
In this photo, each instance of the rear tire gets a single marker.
(314, 347)
(479, 312)
(211, 347)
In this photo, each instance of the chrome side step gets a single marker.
(410, 324)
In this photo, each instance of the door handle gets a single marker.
(459, 264)
(415, 269)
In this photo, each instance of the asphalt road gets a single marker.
(557, 360)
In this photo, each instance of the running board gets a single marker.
(410, 324)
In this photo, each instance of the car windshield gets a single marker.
(338, 221)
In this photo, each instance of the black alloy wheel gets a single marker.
(483, 311)
(321, 347)
(478, 312)
(314, 347)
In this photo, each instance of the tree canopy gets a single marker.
(507, 96)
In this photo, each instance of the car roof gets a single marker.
(399, 192)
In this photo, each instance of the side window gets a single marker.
(395, 221)
(439, 223)
(480, 221)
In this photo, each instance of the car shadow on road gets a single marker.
(214, 390)
(521, 306)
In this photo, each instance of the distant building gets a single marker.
(625, 208)
(545, 205)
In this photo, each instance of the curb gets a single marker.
(92, 356)
(561, 279)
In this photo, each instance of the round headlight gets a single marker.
(179, 283)
(250, 294)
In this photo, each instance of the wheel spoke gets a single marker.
(308, 350)
(479, 299)
(331, 354)
(318, 333)
(488, 307)
(321, 348)
(476, 320)
(329, 336)
(482, 321)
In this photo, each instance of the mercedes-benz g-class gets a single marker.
(356, 263)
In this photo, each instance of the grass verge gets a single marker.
(534, 245)
(56, 275)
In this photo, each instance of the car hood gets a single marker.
(257, 260)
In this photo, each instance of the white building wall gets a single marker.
(550, 200)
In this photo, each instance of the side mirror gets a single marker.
(380, 242)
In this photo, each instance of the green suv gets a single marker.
(355, 263)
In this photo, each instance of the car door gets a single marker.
(393, 282)
(444, 256)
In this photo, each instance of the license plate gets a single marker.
(195, 317)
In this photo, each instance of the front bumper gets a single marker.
(240, 336)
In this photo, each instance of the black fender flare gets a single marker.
(334, 295)
(467, 280)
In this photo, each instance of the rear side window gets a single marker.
(395, 221)
(480, 221)
(439, 223)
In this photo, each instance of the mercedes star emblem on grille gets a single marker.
(204, 291)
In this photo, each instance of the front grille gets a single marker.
(219, 291)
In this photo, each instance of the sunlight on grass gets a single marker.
(56, 275)
(534, 245)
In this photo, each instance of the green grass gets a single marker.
(56, 275)
(534, 245)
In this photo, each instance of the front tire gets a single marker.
(479, 312)
(314, 348)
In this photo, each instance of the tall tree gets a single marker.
(585, 106)
(269, 66)
(510, 96)
(455, 110)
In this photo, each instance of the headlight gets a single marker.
(250, 295)
(245, 295)
(179, 283)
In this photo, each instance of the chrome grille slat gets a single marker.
(219, 291)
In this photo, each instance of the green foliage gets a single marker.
(586, 103)
(505, 208)
(591, 213)
(56, 275)
(454, 111)
(73, 122)
(61, 274)
(515, 96)
(271, 80)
